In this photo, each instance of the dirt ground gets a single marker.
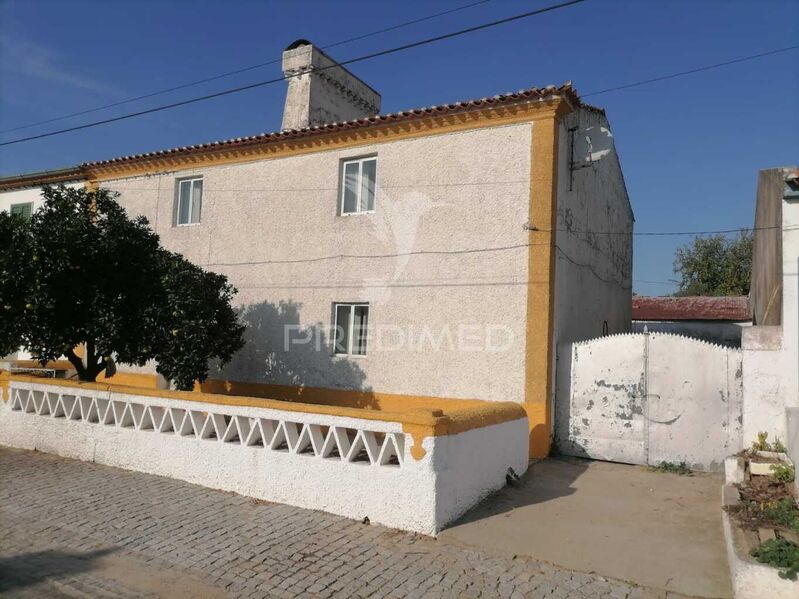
(655, 529)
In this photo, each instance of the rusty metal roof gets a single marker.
(735, 308)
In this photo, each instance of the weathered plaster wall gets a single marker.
(713, 331)
(764, 382)
(649, 398)
(593, 269)
(273, 228)
(320, 92)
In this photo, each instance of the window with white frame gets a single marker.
(350, 329)
(189, 201)
(358, 185)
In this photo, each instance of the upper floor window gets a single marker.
(22, 210)
(189, 201)
(358, 185)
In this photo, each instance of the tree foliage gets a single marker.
(715, 265)
(81, 272)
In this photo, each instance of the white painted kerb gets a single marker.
(346, 466)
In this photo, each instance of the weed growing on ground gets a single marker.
(783, 473)
(682, 468)
(782, 512)
(779, 553)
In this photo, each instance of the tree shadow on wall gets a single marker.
(279, 351)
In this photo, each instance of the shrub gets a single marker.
(779, 553)
(783, 473)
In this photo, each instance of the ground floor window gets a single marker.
(349, 331)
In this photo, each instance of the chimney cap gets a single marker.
(297, 44)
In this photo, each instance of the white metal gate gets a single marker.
(647, 398)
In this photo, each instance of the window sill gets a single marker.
(356, 213)
(187, 225)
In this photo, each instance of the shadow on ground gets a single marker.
(533, 488)
(28, 569)
(626, 522)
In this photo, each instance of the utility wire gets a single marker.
(691, 71)
(277, 80)
(241, 70)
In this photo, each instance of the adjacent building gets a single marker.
(714, 319)
(771, 347)
(417, 256)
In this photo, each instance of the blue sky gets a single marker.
(690, 147)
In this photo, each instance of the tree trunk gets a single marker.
(93, 366)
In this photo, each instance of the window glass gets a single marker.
(368, 184)
(184, 202)
(350, 202)
(342, 332)
(361, 315)
(196, 200)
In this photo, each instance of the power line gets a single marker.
(279, 79)
(663, 233)
(691, 71)
(241, 70)
(380, 256)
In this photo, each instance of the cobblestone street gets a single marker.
(74, 529)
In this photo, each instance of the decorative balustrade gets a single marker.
(222, 426)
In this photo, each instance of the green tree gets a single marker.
(715, 265)
(81, 272)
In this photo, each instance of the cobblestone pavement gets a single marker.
(75, 529)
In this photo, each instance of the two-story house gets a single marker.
(414, 257)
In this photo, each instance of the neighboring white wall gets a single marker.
(712, 331)
(649, 398)
(20, 196)
(764, 383)
(171, 437)
(790, 299)
(264, 223)
(23, 196)
(771, 353)
(593, 275)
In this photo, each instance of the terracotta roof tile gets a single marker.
(533, 93)
(734, 308)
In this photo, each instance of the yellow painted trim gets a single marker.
(269, 149)
(52, 365)
(539, 353)
(130, 379)
(416, 421)
(4, 384)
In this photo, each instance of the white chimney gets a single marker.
(320, 91)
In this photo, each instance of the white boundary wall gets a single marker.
(650, 398)
(346, 466)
